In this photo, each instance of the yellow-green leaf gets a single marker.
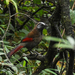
(7, 2)
(15, 4)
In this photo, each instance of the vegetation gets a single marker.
(54, 55)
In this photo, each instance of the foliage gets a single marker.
(69, 43)
(14, 3)
(14, 35)
(18, 35)
(72, 16)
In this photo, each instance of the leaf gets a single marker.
(24, 31)
(15, 69)
(9, 73)
(6, 49)
(44, 31)
(12, 28)
(50, 71)
(71, 40)
(2, 30)
(3, 26)
(43, 73)
(7, 2)
(9, 46)
(24, 63)
(1, 49)
(63, 46)
(10, 64)
(20, 22)
(40, 12)
(5, 60)
(72, 14)
(37, 1)
(21, 73)
(52, 8)
(26, 59)
(1, 41)
(48, 38)
(6, 42)
(1, 53)
(0, 58)
(15, 4)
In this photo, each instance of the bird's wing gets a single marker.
(31, 36)
(27, 39)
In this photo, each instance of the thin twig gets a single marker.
(25, 15)
(32, 16)
(62, 36)
(36, 56)
(62, 65)
(5, 35)
(6, 29)
(73, 5)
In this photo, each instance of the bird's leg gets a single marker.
(33, 53)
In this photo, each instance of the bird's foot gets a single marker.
(33, 53)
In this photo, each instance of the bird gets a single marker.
(32, 39)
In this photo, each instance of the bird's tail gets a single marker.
(14, 50)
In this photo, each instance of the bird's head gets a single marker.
(41, 26)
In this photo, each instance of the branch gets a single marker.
(36, 56)
(54, 19)
(32, 15)
(25, 15)
(5, 35)
(66, 21)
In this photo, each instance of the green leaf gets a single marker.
(27, 3)
(3, 26)
(15, 69)
(2, 30)
(0, 58)
(1, 49)
(74, 73)
(1, 53)
(24, 63)
(7, 2)
(48, 38)
(40, 12)
(37, 61)
(37, 1)
(26, 59)
(15, 4)
(72, 15)
(6, 42)
(52, 8)
(9, 73)
(10, 64)
(50, 71)
(24, 31)
(44, 31)
(12, 28)
(22, 73)
(1, 41)
(64, 46)
(71, 40)
(6, 49)
(20, 22)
